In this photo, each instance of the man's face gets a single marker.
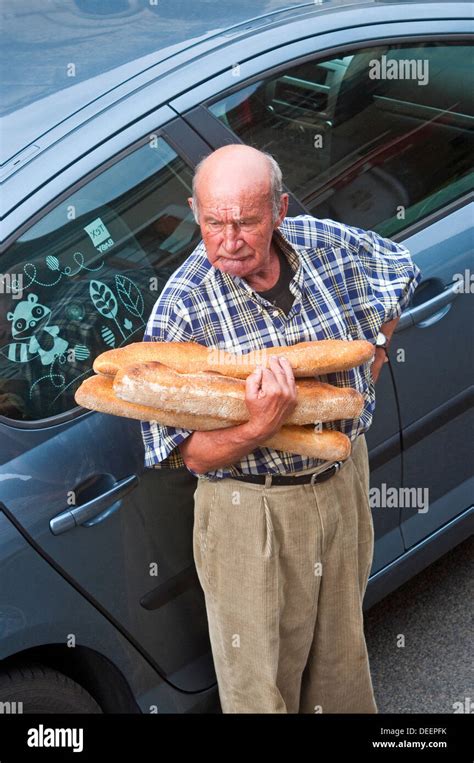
(237, 231)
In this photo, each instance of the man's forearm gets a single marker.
(205, 451)
(389, 328)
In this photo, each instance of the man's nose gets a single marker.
(232, 240)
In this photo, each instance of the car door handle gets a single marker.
(429, 308)
(95, 510)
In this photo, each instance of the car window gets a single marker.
(85, 277)
(377, 138)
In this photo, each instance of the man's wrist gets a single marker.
(387, 329)
(254, 433)
(383, 341)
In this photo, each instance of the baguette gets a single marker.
(306, 358)
(155, 384)
(97, 393)
(304, 441)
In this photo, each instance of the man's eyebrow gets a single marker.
(249, 218)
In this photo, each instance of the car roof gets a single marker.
(63, 57)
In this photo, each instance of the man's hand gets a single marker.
(379, 359)
(270, 397)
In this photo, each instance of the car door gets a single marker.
(380, 137)
(436, 405)
(83, 279)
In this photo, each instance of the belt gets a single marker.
(285, 479)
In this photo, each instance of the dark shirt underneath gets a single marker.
(280, 294)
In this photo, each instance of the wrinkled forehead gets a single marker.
(225, 204)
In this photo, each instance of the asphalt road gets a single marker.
(435, 613)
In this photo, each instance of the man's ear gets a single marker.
(190, 201)
(284, 199)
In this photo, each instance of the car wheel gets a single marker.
(43, 690)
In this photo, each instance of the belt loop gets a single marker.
(268, 480)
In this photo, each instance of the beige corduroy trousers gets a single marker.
(284, 571)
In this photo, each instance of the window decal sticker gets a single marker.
(30, 324)
(106, 303)
(99, 235)
(29, 268)
(35, 338)
(108, 336)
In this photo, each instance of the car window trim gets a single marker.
(205, 93)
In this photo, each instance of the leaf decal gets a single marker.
(108, 336)
(103, 299)
(81, 352)
(130, 295)
(52, 262)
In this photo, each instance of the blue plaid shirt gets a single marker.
(347, 282)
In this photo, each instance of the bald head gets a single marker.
(237, 169)
(238, 202)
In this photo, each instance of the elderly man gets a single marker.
(283, 544)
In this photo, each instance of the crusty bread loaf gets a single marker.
(96, 393)
(157, 385)
(305, 441)
(187, 357)
(306, 358)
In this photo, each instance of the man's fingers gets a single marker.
(253, 382)
(275, 366)
(279, 374)
(284, 376)
(270, 382)
(288, 370)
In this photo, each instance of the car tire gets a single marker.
(44, 690)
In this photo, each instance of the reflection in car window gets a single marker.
(84, 278)
(378, 139)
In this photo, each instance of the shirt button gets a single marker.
(275, 313)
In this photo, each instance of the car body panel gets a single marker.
(134, 559)
(38, 622)
(434, 382)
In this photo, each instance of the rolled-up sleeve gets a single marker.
(167, 323)
(390, 271)
(161, 442)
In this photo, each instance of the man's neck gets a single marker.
(264, 280)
